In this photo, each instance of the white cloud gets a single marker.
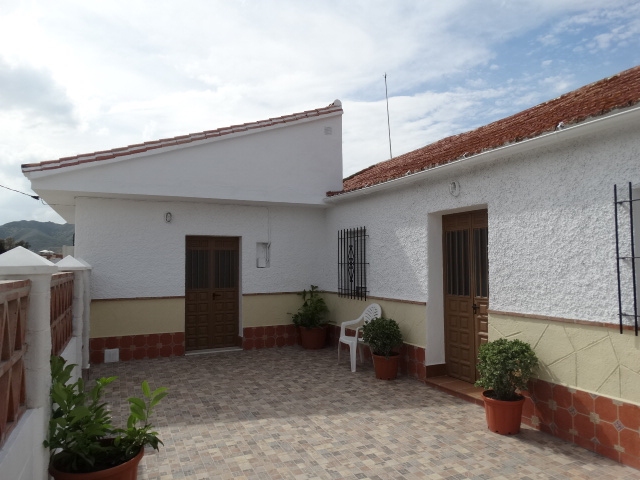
(416, 121)
(109, 74)
(618, 36)
(34, 93)
(558, 83)
(618, 22)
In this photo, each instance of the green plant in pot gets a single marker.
(505, 367)
(311, 319)
(384, 337)
(82, 440)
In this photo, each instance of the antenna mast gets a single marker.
(386, 94)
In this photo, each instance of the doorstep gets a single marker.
(458, 388)
(213, 350)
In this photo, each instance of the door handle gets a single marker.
(475, 308)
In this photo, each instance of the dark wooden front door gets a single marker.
(466, 291)
(211, 292)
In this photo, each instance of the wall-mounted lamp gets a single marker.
(454, 188)
(168, 217)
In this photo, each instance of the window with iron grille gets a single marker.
(352, 263)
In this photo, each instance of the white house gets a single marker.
(200, 242)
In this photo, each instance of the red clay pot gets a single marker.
(503, 417)
(313, 338)
(386, 368)
(125, 471)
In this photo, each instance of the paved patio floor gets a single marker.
(288, 413)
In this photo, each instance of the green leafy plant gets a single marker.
(81, 437)
(505, 366)
(313, 311)
(382, 335)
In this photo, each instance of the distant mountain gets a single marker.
(40, 235)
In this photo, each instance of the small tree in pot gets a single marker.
(311, 319)
(81, 438)
(383, 336)
(505, 367)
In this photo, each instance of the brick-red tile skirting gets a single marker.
(411, 357)
(269, 337)
(137, 347)
(600, 424)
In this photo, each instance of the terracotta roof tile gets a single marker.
(621, 90)
(179, 140)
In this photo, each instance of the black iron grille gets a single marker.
(352, 263)
(628, 260)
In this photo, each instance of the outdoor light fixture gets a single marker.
(454, 188)
(168, 217)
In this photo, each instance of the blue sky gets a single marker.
(76, 77)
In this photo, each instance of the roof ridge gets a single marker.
(334, 107)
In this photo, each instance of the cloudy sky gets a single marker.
(78, 76)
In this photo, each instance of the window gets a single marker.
(352, 263)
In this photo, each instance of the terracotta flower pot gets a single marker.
(313, 338)
(386, 368)
(503, 417)
(125, 471)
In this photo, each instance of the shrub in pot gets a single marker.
(505, 367)
(82, 441)
(311, 319)
(383, 336)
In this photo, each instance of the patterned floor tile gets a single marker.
(288, 413)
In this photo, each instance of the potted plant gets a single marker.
(505, 367)
(311, 319)
(83, 443)
(383, 336)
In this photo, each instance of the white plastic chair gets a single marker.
(371, 312)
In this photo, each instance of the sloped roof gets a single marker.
(596, 99)
(335, 107)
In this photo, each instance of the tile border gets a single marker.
(137, 347)
(254, 338)
(573, 321)
(598, 423)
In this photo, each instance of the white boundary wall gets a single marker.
(23, 456)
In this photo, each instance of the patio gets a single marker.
(288, 413)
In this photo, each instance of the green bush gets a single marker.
(382, 335)
(505, 366)
(81, 437)
(313, 311)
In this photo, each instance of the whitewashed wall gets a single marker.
(551, 227)
(396, 244)
(135, 253)
(23, 457)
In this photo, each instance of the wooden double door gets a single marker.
(211, 292)
(466, 291)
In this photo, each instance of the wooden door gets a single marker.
(466, 291)
(211, 292)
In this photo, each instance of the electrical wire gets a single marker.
(35, 197)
